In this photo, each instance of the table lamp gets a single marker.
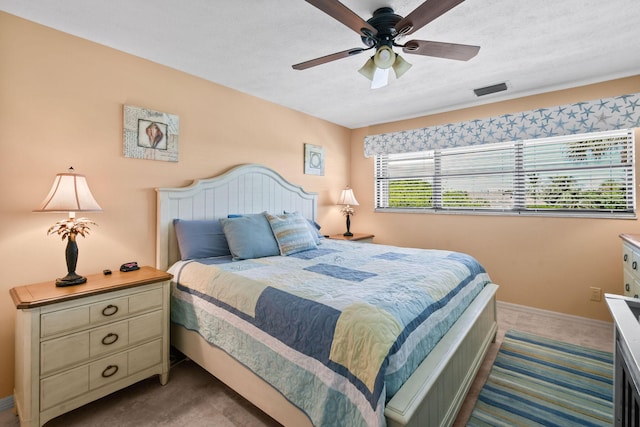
(348, 200)
(70, 194)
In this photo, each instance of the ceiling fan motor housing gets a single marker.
(383, 20)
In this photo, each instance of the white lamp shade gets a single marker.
(347, 198)
(69, 193)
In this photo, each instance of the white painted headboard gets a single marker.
(244, 189)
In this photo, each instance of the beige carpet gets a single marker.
(194, 398)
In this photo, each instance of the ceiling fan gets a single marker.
(382, 31)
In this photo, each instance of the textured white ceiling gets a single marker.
(533, 45)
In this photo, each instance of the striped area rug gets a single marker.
(537, 381)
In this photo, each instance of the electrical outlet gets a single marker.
(596, 294)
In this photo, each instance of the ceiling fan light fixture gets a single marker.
(400, 66)
(385, 57)
(368, 69)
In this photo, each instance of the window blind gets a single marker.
(572, 175)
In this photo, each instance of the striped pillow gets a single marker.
(291, 232)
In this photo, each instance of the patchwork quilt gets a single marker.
(337, 330)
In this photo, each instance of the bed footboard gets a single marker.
(435, 392)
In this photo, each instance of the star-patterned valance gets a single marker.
(619, 112)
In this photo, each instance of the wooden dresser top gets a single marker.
(39, 294)
(633, 239)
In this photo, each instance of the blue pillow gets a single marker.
(292, 233)
(200, 239)
(314, 228)
(249, 236)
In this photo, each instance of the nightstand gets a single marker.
(79, 343)
(357, 237)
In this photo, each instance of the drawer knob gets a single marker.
(627, 287)
(634, 265)
(110, 338)
(109, 371)
(111, 309)
(626, 257)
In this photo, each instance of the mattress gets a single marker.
(337, 330)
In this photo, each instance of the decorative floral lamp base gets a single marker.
(348, 233)
(71, 255)
(70, 280)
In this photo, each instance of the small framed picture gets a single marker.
(313, 159)
(150, 134)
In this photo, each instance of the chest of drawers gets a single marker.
(631, 264)
(77, 344)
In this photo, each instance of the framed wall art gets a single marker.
(313, 159)
(150, 135)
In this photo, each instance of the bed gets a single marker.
(428, 391)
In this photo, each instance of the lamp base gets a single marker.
(348, 234)
(70, 280)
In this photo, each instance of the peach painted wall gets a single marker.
(547, 263)
(61, 101)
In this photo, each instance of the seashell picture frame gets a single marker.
(150, 135)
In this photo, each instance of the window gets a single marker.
(588, 174)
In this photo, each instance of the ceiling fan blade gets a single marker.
(328, 58)
(425, 13)
(380, 78)
(344, 15)
(460, 52)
